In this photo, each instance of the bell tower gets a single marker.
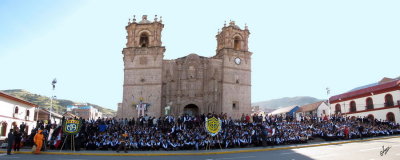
(232, 37)
(232, 48)
(143, 58)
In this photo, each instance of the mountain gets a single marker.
(270, 105)
(59, 105)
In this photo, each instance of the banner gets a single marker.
(213, 125)
(72, 126)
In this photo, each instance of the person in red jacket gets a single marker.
(38, 139)
(346, 132)
(247, 118)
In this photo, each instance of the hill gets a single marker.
(273, 104)
(59, 105)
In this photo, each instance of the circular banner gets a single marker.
(213, 125)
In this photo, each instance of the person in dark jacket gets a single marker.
(10, 141)
(361, 130)
(18, 137)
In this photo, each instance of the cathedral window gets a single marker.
(144, 40)
(191, 72)
(235, 105)
(236, 43)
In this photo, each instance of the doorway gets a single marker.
(191, 110)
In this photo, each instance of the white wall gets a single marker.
(379, 114)
(321, 108)
(378, 100)
(7, 114)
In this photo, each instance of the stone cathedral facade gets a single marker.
(192, 84)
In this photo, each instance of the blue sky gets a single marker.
(299, 47)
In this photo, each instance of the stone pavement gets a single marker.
(197, 152)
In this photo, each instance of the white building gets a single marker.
(317, 109)
(378, 100)
(14, 112)
(85, 111)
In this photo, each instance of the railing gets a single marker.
(369, 107)
(389, 104)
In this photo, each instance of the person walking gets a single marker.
(38, 139)
(10, 141)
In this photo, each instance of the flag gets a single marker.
(57, 141)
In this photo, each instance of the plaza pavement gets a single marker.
(202, 152)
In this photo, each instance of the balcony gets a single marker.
(368, 107)
(389, 104)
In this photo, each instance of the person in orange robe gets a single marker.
(38, 139)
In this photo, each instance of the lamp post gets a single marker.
(329, 104)
(53, 83)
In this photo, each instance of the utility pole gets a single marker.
(53, 83)
(329, 104)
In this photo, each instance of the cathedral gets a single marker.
(188, 85)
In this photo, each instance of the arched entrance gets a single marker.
(191, 109)
(390, 117)
(371, 117)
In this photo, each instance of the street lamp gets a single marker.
(53, 83)
(329, 104)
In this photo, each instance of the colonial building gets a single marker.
(379, 100)
(14, 112)
(192, 84)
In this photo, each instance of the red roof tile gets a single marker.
(379, 87)
(310, 107)
(17, 99)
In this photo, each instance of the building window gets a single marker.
(191, 72)
(371, 117)
(353, 107)
(323, 112)
(144, 40)
(388, 100)
(338, 109)
(27, 112)
(235, 105)
(16, 110)
(390, 117)
(370, 103)
(236, 43)
(3, 129)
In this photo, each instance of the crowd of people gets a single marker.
(189, 133)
